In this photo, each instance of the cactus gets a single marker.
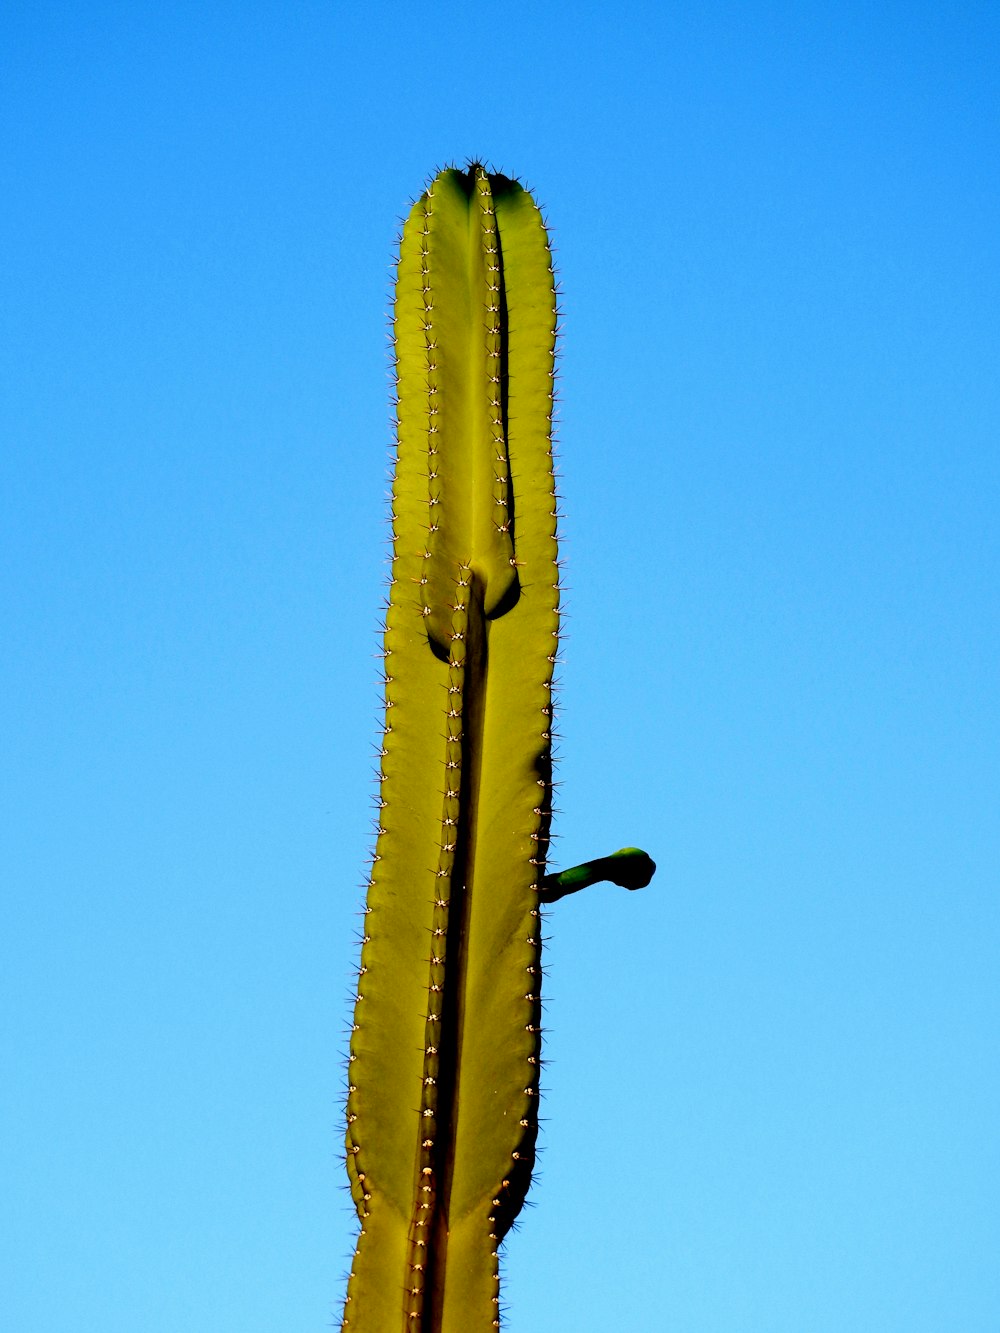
(445, 1046)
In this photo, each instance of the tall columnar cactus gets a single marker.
(444, 1057)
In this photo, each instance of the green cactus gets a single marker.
(444, 1056)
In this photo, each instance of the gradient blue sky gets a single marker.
(773, 1087)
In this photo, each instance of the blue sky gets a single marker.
(772, 1090)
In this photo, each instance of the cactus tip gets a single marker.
(631, 867)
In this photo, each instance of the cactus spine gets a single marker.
(444, 1056)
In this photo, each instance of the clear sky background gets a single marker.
(773, 1087)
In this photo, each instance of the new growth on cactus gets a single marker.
(444, 1056)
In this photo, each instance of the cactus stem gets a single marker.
(630, 867)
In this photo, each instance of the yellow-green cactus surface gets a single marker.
(442, 1102)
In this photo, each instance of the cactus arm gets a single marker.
(443, 1072)
(629, 867)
